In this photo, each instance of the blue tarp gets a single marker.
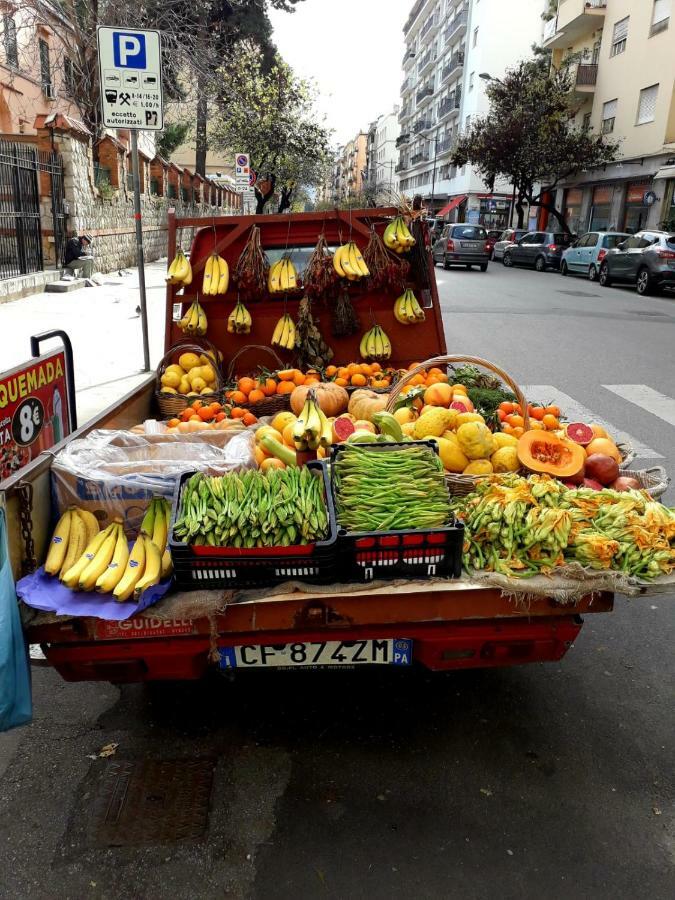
(16, 706)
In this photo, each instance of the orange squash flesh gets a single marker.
(540, 451)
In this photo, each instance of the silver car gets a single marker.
(585, 255)
(462, 245)
(510, 236)
(645, 259)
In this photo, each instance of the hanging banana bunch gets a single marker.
(407, 310)
(312, 429)
(397, 236)
(194, 321)
(239, 321)
(216, 276)
(284, 333)
(282, 277)
(180, 270)
(375, 344)
(349, 263)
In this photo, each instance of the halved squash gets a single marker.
(542, 451)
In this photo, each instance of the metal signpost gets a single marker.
(130, 73)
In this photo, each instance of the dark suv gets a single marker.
(645, 259)
(540, 249)
(462, 245)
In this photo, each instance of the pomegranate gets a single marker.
(593, 484)
(602, 468)
(579, 433)
(626, 483)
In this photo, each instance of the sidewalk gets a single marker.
(104, 328)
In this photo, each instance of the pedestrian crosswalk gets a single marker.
(574, 411)
(646, 398)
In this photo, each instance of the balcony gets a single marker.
(422, 156)
(457, 27)
(402, 140)
(427, 91)
(400, 167)
(450, 104)
(408, 55)
(430, 26)
(453, 66)
(587, 75)
(427, 60)
(405, 113)
(422, 125)
(407, 85)
(444, 145)
(575, 19)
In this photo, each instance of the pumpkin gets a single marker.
(331, 398)
(543, 451)
(363, 404)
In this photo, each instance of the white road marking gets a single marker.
(577, 412)
(646, 398)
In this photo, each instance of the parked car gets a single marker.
(540, 249)
(462, 245)
(435, 226)
(510, 236)
(493, 236)
(585, 255)
(645, 259)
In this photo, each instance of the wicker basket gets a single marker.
(171, 405)
(270, 406)
(460, 485)
(628, 454)
(654, 480)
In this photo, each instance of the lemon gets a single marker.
(502, 439)
(451, 455)
(281, 420)
(206, 359)
(176, 369)
(479, 467)
(404, 415)
(189, 361)
(207, 390)
(198, 384)
(208, 374)
(184, 385)
(170, 379)
(168, 390)
(505, 460)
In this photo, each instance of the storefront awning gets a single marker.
(665, 172)
(453, 204)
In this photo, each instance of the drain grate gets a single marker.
(140, 802)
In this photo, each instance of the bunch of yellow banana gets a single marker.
(407, 310)
(349, 263)
(312, 429)
(375, 344)
(194, 321)
(180, 270)
(284, 333)
(74, 531)
(216, 276)
(282, 276)
(149, 560)
(397, 236)
(239, 321)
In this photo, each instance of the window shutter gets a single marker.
(647, 107)
(609, 109)
(661, 11)
(620, 30)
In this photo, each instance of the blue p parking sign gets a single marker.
(129, 50)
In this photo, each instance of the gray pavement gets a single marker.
(551, 780)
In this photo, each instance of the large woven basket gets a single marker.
(270, 406)
(654, 480)
(171, 405)
(460, 484)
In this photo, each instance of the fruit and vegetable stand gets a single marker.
(310, 479)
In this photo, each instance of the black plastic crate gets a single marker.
(232, 567)
(408, 553)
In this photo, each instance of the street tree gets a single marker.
(270, 113)
(529, 137)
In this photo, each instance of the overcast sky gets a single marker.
(352, 49)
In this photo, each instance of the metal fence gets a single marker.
(25, 175)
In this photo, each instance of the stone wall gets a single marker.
(107, 212)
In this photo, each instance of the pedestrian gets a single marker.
(78, 256)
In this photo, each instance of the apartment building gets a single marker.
(382, 153)
(350, 168)
(449, 45)
(623, 58)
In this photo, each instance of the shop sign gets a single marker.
(636, 193)
(602, 195)
(574, 197)
(33, 410)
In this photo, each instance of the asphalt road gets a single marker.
(551, 780)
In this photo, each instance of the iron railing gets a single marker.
(455, 62)
(422, 156)
(458, 22)
(587, 74)
(427, 91)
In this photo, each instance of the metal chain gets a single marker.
(25, 493)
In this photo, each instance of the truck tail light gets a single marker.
(665, 254)
(451, 244)
(601, 254)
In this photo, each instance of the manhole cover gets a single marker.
(152, 802)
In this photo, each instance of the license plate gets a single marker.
(388, 651)
(469, 245)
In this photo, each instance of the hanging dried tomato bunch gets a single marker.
(250, 274)
(320, 277)
(313, 351)
(344, 320)
(387, 272)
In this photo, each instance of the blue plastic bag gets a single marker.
(16, 706)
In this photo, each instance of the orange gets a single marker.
(286, 374)
(359, 380)
(288, 434)
(343, 372)
(438, 395)
(353, 368)
(330, 371)
(501, 415)
(195, 419)
(518, 431)
(237, 412)
(220, 416)
(536, 426)
(205, 413)
(272, 463)
(434, 370)
(436, 379)
(260, 455)
(238, 397)
(515, 421)
(507, 406)
(507, 429)
(269, 388)
(256, 396)
(312, 379)
(550, 422)
(298, 378)
(598, 431)
(285, 387)
(606, 446)
(172, 423)
(416, 379)
(246, 385)
(249, 419)
(552, 411)
(379, 382)
(537, 412)
(342, 382)
(375, 367)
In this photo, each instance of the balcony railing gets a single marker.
(426, 60)
(408, 84)
(427, 91)
(431, 22)
(422, 125)
(460, 21)
(422, 156)
(400, 167)
(407, 56)
(550, 28)
(450, 104)
(587, 74)
(444, 145)
(405, 113)
(402, 140)
(455, 62)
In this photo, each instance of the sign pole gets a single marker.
(140, 258)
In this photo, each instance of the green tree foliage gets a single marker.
(173, 135)
(529, 138)
(270, 113)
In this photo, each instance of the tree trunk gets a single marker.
(286, 195)
(550, 208)
(201, 142)
(521, 212)
(263, 197)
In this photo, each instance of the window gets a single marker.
(647, 105)
(469, 232)
(608, 116)
(620, 36)
(475, 37)
(9, 34)
(660, 16)
(467, 121)
(586, 124)
(69, 76)
(471, 81)
(45, 66)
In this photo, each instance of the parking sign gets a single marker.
(130, 72)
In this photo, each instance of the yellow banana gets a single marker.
(133, 571)
(223, 276)
(278, 331)
(202, 321)
(58, 547)
(337, 262)
(90, 523)
(107, 581)
(160, 527)
(100, 561)
(71, 578)
(356, 260)
(77, 541)
(167, 565)
(153, 567)
(273, 279)
(208, 275)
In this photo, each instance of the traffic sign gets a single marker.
(130, 71)
(242, 171)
